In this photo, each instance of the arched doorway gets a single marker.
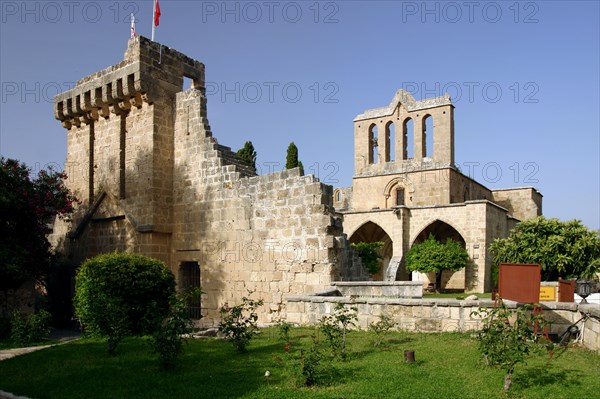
(372, 232)
(443, 231)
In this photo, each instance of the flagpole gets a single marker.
(133, 34)
(153, 16)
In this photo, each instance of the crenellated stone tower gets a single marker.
(153, 180)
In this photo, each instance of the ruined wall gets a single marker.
(522, 203)
(463, 188)
(269, 235)
(342, 198)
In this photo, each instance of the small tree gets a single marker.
(369, 254)
(238, 323)
(335, 327)
(291, 159)
(248, 154)
(381, 328)
(123, 294)
(568, 248)
(310, 361)
(506, 344)
(431, 256)
(169, 335)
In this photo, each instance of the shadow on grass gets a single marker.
(547, 375)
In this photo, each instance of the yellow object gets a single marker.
(547, 293)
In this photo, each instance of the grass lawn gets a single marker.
(447, 366)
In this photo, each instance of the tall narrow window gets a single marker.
(373, 156)
(390, 139)
(190, 278)
(408, 139)
(400, 197)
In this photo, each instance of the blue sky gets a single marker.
(524, 77)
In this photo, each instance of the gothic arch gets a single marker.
(337, 195)
(371, 232)
(373, 138)
(440, 230)
(428, 135)
(408, 138)
(390, 141)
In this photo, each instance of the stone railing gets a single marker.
(381, 289)
(441, 315)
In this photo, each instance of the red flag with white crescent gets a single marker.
(156, 13)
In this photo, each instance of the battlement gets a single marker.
(148, 72)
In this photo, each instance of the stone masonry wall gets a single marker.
(265, 236)
(153, 180)
(441, 315)
(522, 203)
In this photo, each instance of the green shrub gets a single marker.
(335, 328)
(26, 330)
(381, 328)
(369, 254)
(169, 336)
(122, 294)
(310, 361)
(283, 328)
(238, 323)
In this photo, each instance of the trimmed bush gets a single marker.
(122, 294)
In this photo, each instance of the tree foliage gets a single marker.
(369, 254)
(238, 323)
(508, 338)
(248, 154)
(27, 206)
(291, 159)
(431, 256)
(567, 249)
(170, 333)
(123, 294)
(335, 328)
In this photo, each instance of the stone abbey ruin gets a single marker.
(152, 179)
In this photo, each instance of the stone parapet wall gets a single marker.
(380, 289)
(441, 315)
